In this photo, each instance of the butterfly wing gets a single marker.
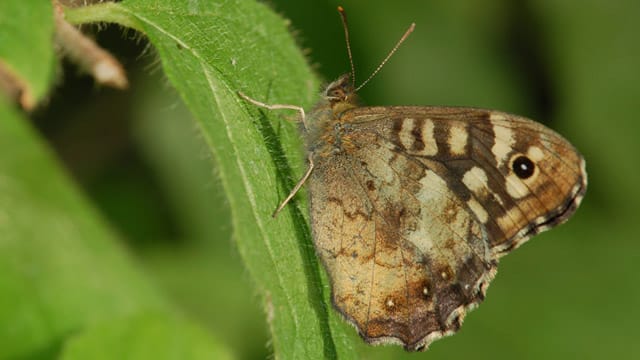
(517, 176)
(410, 216)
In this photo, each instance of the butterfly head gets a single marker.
(341, 94)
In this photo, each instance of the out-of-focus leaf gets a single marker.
(62, 269)
(26, 45)
(155, 336)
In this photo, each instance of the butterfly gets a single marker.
(413, 206)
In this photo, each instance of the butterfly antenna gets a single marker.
(343, 16)
(395, 48)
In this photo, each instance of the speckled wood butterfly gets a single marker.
(412, 206)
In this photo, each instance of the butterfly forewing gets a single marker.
(475, 152)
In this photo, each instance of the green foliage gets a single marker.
(63, 270)
(26, 49)
(91, 268)
(207, 74)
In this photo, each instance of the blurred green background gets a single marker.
(573, 65)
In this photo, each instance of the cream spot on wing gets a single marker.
(504, 140)
(433, 193)
(405, 136)
(535, 154)
(516, 188)
(476, 180)
(430, 146)
(478, 210)
(441, 234)
(458, 138)
(390, 303)
(496, 117)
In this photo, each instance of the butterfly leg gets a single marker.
(296, 188)
(276, 107)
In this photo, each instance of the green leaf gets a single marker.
(156, 337)
(61, 268)
(209, 51)
(59, 265)
(27, 50)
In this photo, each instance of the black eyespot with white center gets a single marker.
(523, 167)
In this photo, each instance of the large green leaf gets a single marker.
(209, 51)
(62, 271)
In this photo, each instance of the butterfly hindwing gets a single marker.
(405, 258)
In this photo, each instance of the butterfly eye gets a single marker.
(336, 93)
(523, 167)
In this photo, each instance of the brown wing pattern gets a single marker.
(475, 151)
(410, 216)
